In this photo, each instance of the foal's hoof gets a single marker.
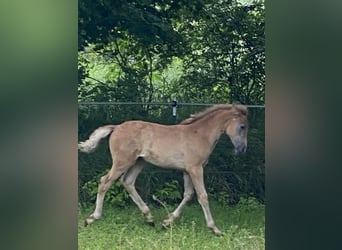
(166, 224)
(86, 223)
(217, 232)
(89, 220)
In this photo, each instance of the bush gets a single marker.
(249, 203)
(170, 193)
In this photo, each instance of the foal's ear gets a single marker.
(242, 109)
(188, 120)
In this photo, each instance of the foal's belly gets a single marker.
(172, 160)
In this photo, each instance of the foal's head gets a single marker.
(237, 128)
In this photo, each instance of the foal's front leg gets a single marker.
(188, 193)
(196, 174)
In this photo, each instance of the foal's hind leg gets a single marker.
(105, 183)
(188, 193)
(128, 181)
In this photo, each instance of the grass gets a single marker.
(243, 227)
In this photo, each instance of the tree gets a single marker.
(227, 53)
(219, 44)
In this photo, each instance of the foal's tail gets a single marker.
(95, 137)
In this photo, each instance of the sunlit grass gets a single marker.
(243, 228)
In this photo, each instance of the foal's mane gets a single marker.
(241, 110)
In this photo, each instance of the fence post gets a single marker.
(174, 109)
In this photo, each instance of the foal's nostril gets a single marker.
(243, 149)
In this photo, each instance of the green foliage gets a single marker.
(222, 198)
(227, 56)
(170, 192)
(192, 51)
(248, 203)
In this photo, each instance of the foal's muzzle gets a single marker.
(240, 149)
(239, 146)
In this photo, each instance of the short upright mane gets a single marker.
(198, 116)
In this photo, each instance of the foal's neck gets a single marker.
(213, 125)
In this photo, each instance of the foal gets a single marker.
(184, 147)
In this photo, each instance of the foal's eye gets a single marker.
(242, 127)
